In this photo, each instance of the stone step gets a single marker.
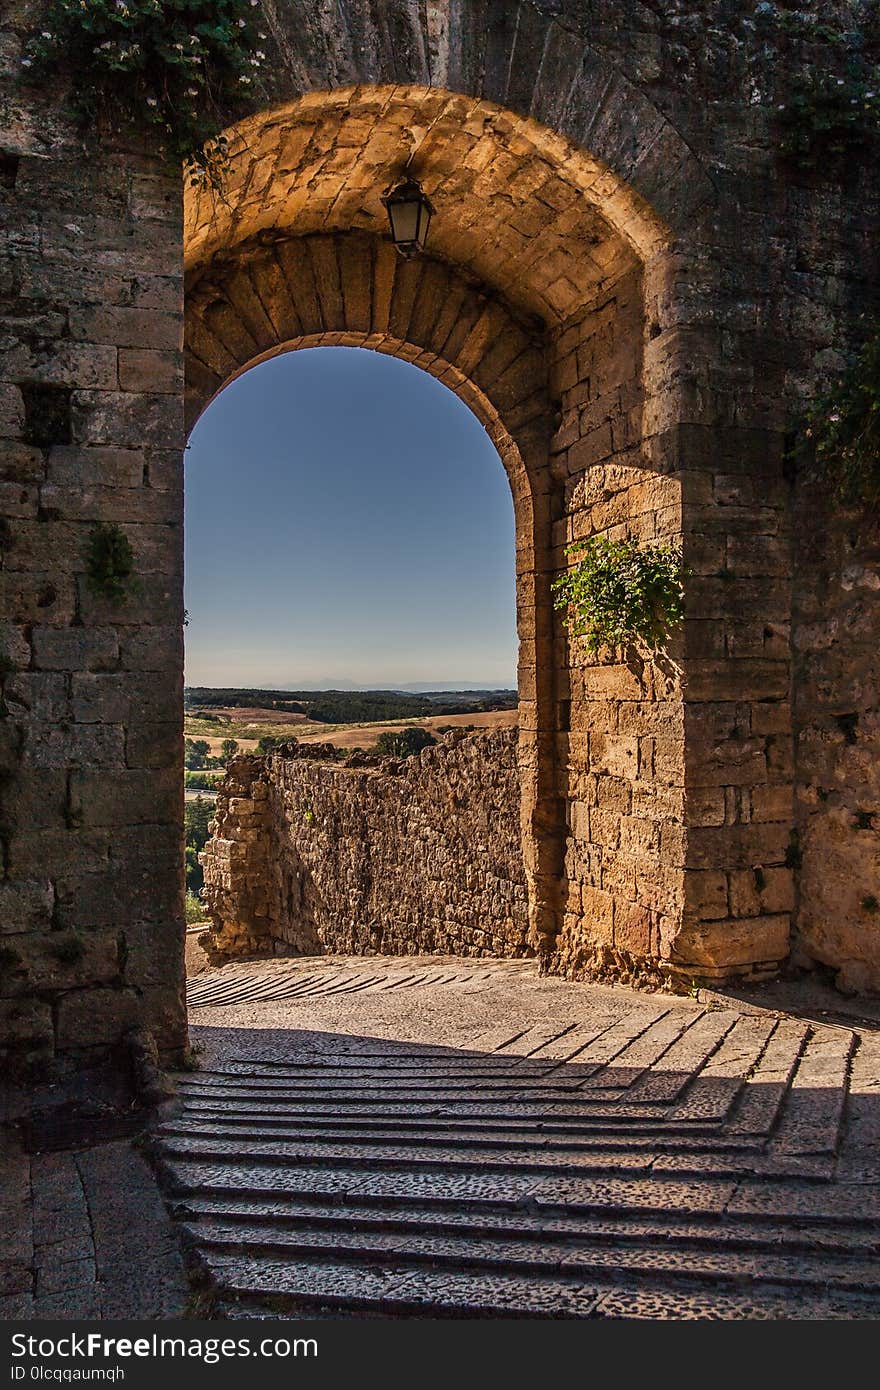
(205, 1142)
(366, 1156)
(811, 1119)
(412, 1137)
(445, 1191)
(614, 1227)
(546, 1256)
(629, 1065)
(711, 1093)
(414, 1118)
(761, 1097)
(411, 1088)
(573, 1112)
(691, 1051)
(245, 986)
(755, 1198)
(398, 1290)
(360, 1099)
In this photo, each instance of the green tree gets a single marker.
(195, 752)
(267, 744)
(195, 877)
(196, 817)
(404, 743)
(228, 749)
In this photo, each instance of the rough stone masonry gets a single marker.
(634, 291)
(401, 857)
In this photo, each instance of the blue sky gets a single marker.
(347, 520)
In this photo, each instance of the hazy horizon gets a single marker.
(347, 517)
(404, 687)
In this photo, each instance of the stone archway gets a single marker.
(354, 290)
(653, 401)
(526, 279)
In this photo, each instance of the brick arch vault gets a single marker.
(582, 293)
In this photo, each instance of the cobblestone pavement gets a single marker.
(85, 1235)
(431, 1137)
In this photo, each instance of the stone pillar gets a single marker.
(91, 431)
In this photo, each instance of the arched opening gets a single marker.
(348, 523)
(531, 303)
(350, 548)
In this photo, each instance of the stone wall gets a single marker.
(633, 290)
(91, 430)
(835, 842)
(420, 855)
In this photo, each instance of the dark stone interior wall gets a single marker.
(91, 429)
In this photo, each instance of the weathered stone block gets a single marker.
(90, 1019)
(729, 943)
(111, 798)
(75, 649)
(25, 906)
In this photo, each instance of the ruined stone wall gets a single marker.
(422, 855)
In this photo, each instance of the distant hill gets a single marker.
(352, 706)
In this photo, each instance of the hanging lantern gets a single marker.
(409, 214)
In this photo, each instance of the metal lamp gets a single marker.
(409, 215)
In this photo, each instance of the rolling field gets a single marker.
(247, 726)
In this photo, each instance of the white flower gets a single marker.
(45, 34)
(192, 91)
(26, 62)
(151, 101)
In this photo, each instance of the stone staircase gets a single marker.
(649, 1161)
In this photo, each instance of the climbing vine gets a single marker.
(843, 427)
(619, 593)
(830, 106)
(110, 563)
(176, 68)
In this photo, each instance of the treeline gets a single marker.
(197, 696)
(353, 706)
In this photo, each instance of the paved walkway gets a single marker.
(435, 1138)
(85, 1234)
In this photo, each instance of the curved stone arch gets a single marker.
(323, 161)
(534, 64)
(354, 290)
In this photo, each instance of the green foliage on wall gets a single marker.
(619, 594)
(829, 106)
(177, 68)
(110, 562)
(843, 426)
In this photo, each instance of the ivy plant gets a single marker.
(110, 563)
(843, 426)
(618, 593)
(829, 116)
(175, 68)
